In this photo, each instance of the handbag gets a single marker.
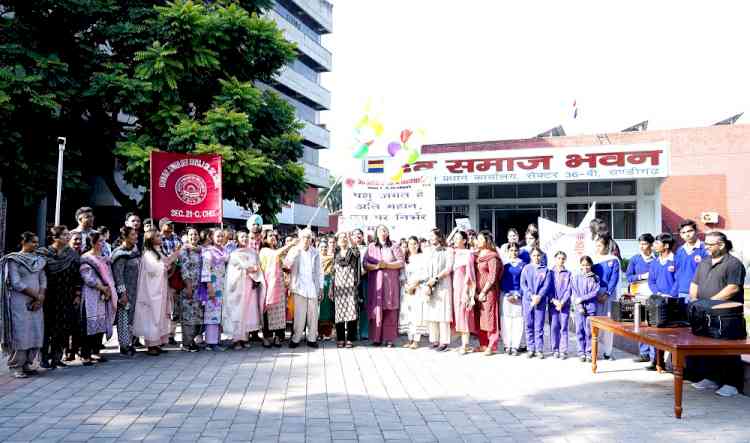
(175, 280)
(718, 319)
(666, 312)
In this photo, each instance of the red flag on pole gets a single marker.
(186, 188)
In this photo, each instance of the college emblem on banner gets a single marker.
(186, 188)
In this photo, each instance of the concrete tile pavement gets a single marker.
(363, 394)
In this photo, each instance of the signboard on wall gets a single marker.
(601, 162)
(406, 207)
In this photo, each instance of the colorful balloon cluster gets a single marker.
(405, 151)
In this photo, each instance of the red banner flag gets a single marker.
(186, 188)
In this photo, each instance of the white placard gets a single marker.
(406, 207)
(463, 224)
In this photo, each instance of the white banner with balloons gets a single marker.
(406, 207)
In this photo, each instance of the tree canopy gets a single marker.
(121, 78)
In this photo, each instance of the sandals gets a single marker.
(414, 345)
(407, 344)
(339, 344)
(20, 374)
(349, 345)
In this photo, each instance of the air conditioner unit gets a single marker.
(709, 217)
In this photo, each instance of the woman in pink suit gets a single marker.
(464, 289)
(383, 261)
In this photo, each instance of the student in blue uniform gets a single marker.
(607, 268)
(559, 307)
(512, 312)
(688, 257)
(536, 282)
(584, 291)
(661, 277)
(637, 275)
(532, 241)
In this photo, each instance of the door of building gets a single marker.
(499, 218)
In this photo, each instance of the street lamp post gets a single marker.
(61, 148)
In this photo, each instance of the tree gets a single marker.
(122, 78)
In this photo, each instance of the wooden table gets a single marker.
(680, 342)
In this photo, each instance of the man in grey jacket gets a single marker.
(306, 285)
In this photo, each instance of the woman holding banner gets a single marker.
(383, 261)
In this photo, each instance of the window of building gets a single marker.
(499, 218)
(600, 189)
(524, 190)
(619, 216)
(445, 216)
(452, 192)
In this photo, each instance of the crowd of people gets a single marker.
(226, 289)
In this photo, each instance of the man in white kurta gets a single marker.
(307, 275)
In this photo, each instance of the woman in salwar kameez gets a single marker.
(274, 310)
(126, 262)
(213, 274)
(383, 261)
(99, 299)
(413, 277)
(22, 290)
(438, 311)
(244, 293)
(489, 270)
(191, 309)
(62, 297)
(152, 319)
(464, 289)
(345, 275)
(326, 313)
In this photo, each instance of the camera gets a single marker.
(61, 142)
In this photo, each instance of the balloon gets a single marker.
(405, 134)
(397, 176)
(377, 127)
(412, 156)
(362, 151)
(254, 219)
(362, 122)
(393, 148)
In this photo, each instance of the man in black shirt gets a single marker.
(721, 278)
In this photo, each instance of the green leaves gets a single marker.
(123, 78)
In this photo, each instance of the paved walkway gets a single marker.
(364, 394)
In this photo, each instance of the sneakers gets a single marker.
(642, 359)
(706, 384)
(531, 355)
(727, 391)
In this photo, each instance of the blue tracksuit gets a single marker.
(559, 319)
(661, 277)
(511, 280)
(525, 255)
(686, 265)
(608, 271)
(535, 280)
(638, 266)
(584, 288)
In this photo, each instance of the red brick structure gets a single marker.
(710, 168)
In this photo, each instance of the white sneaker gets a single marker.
(727, 391)
(706, 384)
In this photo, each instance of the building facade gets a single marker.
(303, 22)
(698, 174)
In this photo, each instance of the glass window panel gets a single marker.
(444, 221)
(549, 190)
(461, 193)
(624, 224)
(443, 209)
(484, 191)
(625, 205)
(578, 207)
(550, 214)
(462, 210)
(603, 206)
(443, 193)
(529, 190)
(576, 189)
(623, 188)
(504, 191)
(485, 220)
(600, 188)
(575, 218)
